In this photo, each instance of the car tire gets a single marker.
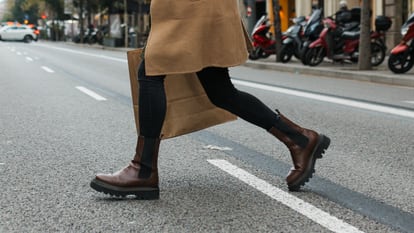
(28, 39)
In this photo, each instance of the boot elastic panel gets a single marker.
(293, 134)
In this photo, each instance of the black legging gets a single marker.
(219, 89)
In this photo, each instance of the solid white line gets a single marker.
(29, 58)
(90, 93)
(86, 54)
(317, 215)
(47, 69)
(335, 100)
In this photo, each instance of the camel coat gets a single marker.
(188, 35)
(185, 37)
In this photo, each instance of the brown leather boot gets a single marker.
(305, 147)
(139, 178)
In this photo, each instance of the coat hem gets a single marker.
(195, 70)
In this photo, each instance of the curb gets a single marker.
(350, 73)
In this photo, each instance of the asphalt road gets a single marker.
(54, 137)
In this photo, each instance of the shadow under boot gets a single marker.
(139, 178)
(305, 147)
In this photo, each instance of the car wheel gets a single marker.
(28, 39)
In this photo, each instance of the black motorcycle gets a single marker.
(92, 35)
(311, 32)
(292, 43)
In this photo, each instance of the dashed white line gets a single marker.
(29, 58)
(91, 93)
(317, 215)
(2, 163)
(409, 101)
(335, 100)
(47, 69)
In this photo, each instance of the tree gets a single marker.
(20, 11)
(364, 61)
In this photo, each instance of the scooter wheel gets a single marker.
(254, 55)
(286, 53)
(303, 56)
(377, 54)
(400, 63)
(314, 56)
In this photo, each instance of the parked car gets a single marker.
(19, 33)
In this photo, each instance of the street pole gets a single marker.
(251, 15)
(139, 24)
(126, 23)
(278, 31)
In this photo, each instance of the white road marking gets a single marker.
(409, 101)
(212, 147)
(90, 93)
(47, 69)
(2, 163)
(19, 53)
(317, 215)
(336, 100)
(86, 54)
(29, 58)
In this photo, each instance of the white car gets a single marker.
(21, 32)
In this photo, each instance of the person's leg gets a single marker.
(222, 93)
(140, 177)
(305, 145)
(152, 103)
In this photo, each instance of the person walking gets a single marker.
(204, 37)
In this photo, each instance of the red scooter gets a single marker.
(401, 58)
(341, 44)
(262, 40)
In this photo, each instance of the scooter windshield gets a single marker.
(260, 21)
(315, 18)
(410, 20)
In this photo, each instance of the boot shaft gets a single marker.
(146, 156)
(289, 133)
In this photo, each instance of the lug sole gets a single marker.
(141, 193)
(320, 148)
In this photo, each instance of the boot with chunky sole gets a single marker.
(139, 178)
(305, 147)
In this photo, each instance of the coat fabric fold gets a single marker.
(188, 35)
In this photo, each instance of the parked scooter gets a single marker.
(311, 31)
(91, 36)
(401, 58)
(342, 44)
(292, 44)
(263, 43)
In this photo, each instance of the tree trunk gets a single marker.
(278, 30)
(126, 24)
(81, 21)
(364, 61)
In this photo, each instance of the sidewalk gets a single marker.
(380, 74)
